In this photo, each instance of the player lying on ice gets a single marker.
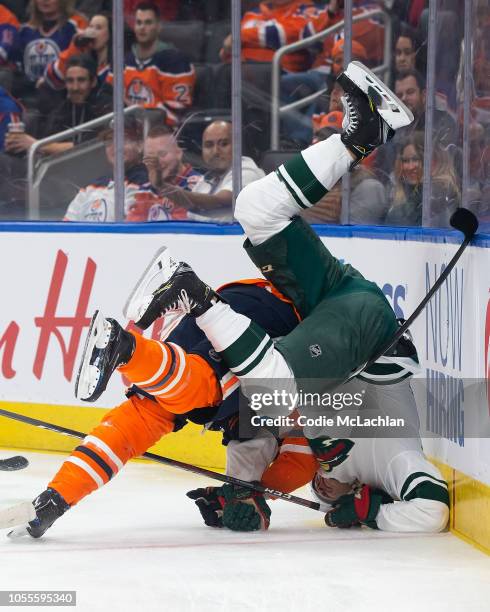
(346, 317)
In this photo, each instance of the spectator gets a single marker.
(367, 200)
(410, 88)
(9, 28)
(297, 125)
(406, 47)
(406, 190)
(212, 196)
(96, 41)
(367, 32)
(51, 26)
(168, 9)
(272, 25)
(10, 113)
(95, 202)
(81, 105)
(156, 75)
(167, 172)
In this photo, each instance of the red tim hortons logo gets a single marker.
(487, 353)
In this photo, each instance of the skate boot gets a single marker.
(48, 507)
(107, 347)
(168, 288)
(373, 112)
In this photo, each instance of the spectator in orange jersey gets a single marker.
(297, 125)
(96, 40)
(156, 75)
(367, 32)
(272, 25)
(9, 28)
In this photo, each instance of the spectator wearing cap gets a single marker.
(297, 125)
(95, 202)
(80, 105)
(367, 202)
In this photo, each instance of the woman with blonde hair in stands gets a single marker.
(51, 26)
(405, 193)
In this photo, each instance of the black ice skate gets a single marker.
(179, 292)
(373, 112)
(107, 347)
(48, 507)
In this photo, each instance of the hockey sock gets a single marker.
(244, 346)
(179, 380)
(125, 432)
(310, 174)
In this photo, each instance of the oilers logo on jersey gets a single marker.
(37, 55)
(138, 92)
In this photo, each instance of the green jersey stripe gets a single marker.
(429, 490)
(244, 346)
(415, 475)
(290, 189)
(255, 361)
(304, 178)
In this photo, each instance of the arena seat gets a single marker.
(214, 35)
(187, 36)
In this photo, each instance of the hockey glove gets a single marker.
(244, 510)
(210, 505)
(358, 508)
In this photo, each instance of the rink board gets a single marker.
(56, 277)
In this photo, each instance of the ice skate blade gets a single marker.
(96, 336)
(158, 272)
(17, 515)
(391, 109)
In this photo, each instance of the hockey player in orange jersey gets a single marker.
(174, 381)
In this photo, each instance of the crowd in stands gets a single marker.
(56, 74)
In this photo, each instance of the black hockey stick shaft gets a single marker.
(171, 462)
(468, 224)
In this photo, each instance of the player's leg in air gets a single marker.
(346, 318)
(170, 382)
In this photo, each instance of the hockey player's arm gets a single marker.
(294, 467)
(425, 508)
(423, 495)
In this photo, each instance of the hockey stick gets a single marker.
(463, 220)
(171, 462)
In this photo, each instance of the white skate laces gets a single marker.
(350, 122)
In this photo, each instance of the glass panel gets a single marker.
(174, 72)
(447, 141)
(479, 134)
(53, 81)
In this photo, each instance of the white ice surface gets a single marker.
(139, 544)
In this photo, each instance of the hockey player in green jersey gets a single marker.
(346, 318)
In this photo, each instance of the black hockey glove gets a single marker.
(358, 508)
(210, 505)
(236, 508)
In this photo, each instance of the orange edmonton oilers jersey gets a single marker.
(368, 32)
(165, 80)
(266, 29)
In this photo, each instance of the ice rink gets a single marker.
(139, 544)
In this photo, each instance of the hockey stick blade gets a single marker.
(172, 462)
(13, 463)
(463, 220)
(17, 515)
